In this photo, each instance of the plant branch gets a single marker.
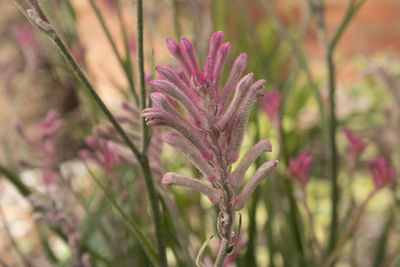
(145, 137)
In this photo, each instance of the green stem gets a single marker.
(329, 52)
(142, 85)
(154, 202)
(133, 226)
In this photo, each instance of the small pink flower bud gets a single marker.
(355, 145)
(299, 168)
(382, 173)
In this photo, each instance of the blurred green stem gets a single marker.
(349, 230)
(318, 10)
(301, 58)
(175, 17)
(134, 226)
(381, 245)
(125, 67)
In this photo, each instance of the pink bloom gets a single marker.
(355, 146)
(271, 103)
(299, 168)
(101, 152)
(209, 119)
(382, 173)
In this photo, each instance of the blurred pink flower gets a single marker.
(382, 173)
(299, 168)
(50, 124)
(45, 144)
(100, 152)
(271, 103)
(24, 35)
(355, 146)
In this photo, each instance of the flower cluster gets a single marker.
(210, 130)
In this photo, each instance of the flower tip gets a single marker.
(173, 46)
(217, 36)
(225, 46)
(166, 179)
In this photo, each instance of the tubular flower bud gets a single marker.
(261, 173)
(172, 178)
(248, 159)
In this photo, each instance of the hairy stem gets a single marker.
(144, 161)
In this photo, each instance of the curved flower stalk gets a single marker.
(210, 130)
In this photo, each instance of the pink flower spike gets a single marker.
(271, 103)
(355, 144)
(299, 168)
(382, 173)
